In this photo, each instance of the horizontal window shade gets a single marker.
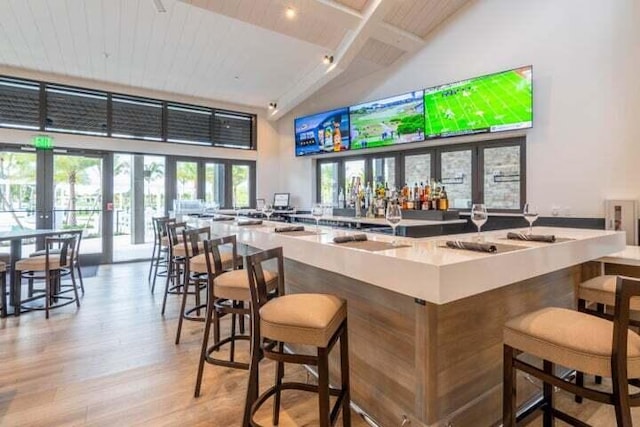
(232, 130)
(136, 118)
(76, 111)
(188, 125)
(19, 104)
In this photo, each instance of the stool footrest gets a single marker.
(227, 363)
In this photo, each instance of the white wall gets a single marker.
(266, 156)
(585, 143)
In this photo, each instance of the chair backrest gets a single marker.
(212, 253)
(626, 288)
(161, 224)
(191, 237)
(76, 250)
(258, 283)
(65, 245)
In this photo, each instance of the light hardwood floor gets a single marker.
(113, 362)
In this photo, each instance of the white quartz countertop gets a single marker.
(426, 270)
(379, 221)
(630, 255)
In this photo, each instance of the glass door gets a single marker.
(18, 208)
(77, 198)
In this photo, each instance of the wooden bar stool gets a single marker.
(601, 291)
(3, 289)
(76, 255)
(317, 320)
(161, 245)
(50, 268)
(175, 262)
(192, 245)
(577, 341)
(228, 291)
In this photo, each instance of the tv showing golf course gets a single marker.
(492, 103)
(395, 120)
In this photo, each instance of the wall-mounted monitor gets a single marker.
(326, 132)
(395, 120)
(492, 103)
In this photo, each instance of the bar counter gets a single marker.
(425, 321)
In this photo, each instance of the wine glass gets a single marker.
(531, 215)
(479, 216)
(317, 211)
(394, 216)
(267, 209)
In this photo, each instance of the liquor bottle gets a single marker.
(387, 192)
(341, 199)
(443, 204)
(426, 205)
(436, 198)
(367, 196)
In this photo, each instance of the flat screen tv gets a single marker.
(323, 132)
(389, 121)
(492, 103)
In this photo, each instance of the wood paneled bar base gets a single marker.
(433, 364)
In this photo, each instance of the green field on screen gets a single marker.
(498, 100)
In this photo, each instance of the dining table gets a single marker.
(16, 237)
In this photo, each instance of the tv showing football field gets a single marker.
(492, 103)
(395, 120)
(322, 132)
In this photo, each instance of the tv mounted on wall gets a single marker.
(492, 103)
(395, 120)
(325, 132)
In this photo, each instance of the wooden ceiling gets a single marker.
(241, 51)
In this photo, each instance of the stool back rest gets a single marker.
(66, 245)
(175, 229)
(626, 288)
(76, 250)
(212, 252)
(157, 228)
(258, 283)
(191, 237)
(162, 227)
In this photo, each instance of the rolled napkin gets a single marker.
(289, 229)
(223, 218)
(250, 222)
(549, 238)
(472, 246)
(351, 238)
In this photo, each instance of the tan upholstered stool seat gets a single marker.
(181, 250)
(165, 240)
(234, 285)
(309, 319)
(570, 338)
(602, 289)
(38, 263)
(198, 264)
(4, 257)
(3, 267)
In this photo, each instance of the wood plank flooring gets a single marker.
(113, 362)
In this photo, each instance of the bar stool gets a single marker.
(3, 289)
(76, 255)
(227, 292)
(191, 246)
(161, 245)
(49, 267)
(601, 291)
(317, 320)
(175, 261)
(577, 341)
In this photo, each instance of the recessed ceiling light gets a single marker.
(290, 13)
(327, 60)
(273, 106)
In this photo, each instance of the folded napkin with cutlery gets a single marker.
(351, 238)
(472, 246)
(223, 218)
(289, 229)
(250, 222)
(532, 237)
